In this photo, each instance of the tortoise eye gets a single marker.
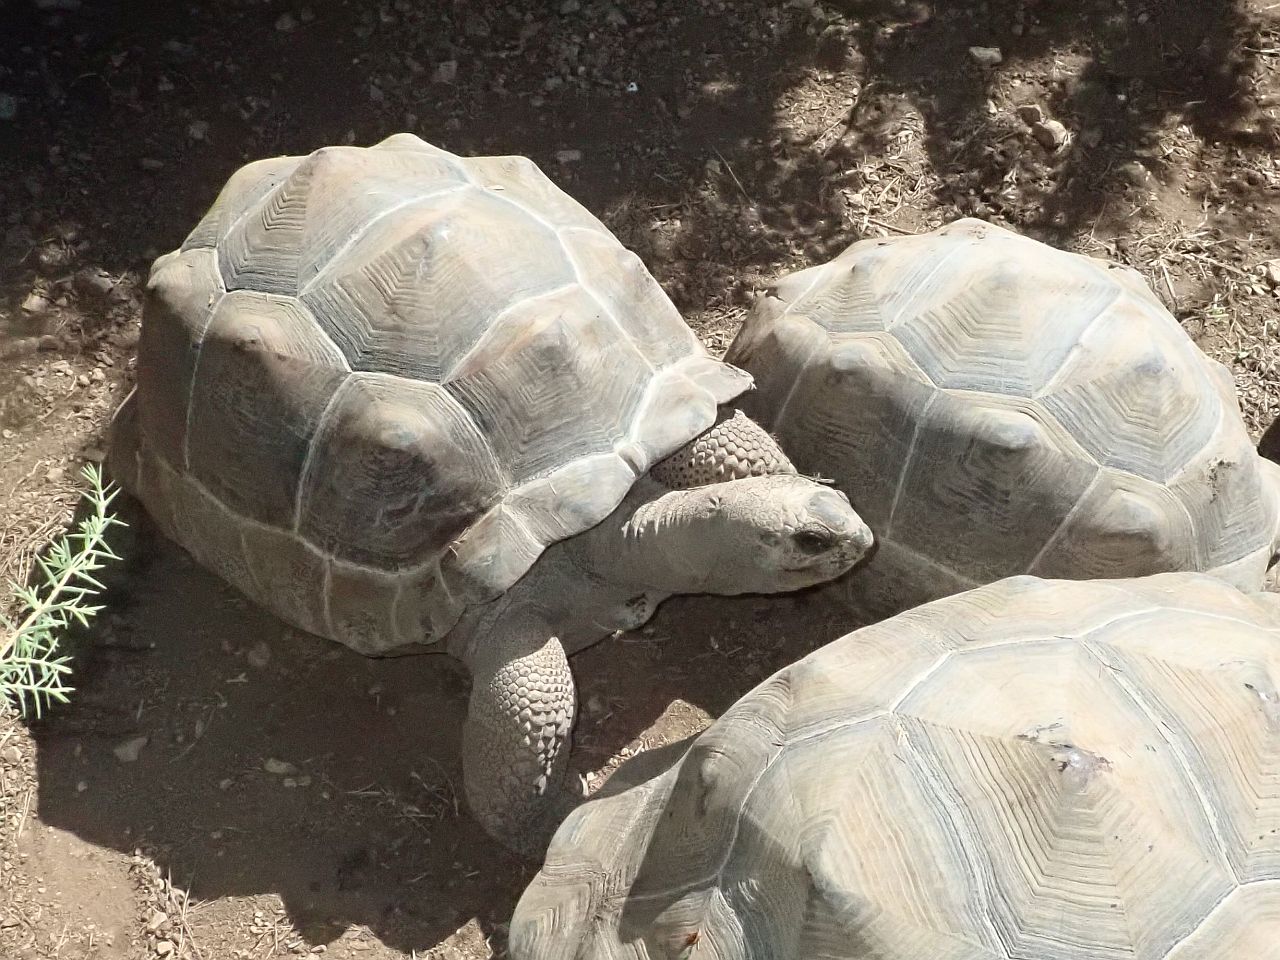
(811, 543)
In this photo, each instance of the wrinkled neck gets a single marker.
(657, 540)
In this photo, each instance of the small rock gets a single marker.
(129, 751)
(568, 156)
(986, 56)
(445, 72)
(97, 375)
(1270, 270)
(8, 923)
(570, 6)
(279, 767)
(157, 920)
(285, 23)
(1050, 133)
(1030, 113)
(151, 163)
(54, 474)
(35, 303)
(93, 283)
(198, 129)
(225, 783)
(1133, 173)
(259, 655)
(11, 754)
(8, 106)
(164, 948)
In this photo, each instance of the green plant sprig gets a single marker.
(33, 673)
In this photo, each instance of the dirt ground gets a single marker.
(224, 787)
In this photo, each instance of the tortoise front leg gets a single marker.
(733, 448)
(515, 744)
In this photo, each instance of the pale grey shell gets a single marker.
(994, 406)
(1062, 770)
(375, 384)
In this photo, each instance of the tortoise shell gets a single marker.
(995, 406)
(374, 384)
(1062, 770)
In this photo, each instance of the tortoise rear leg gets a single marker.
(515, 744)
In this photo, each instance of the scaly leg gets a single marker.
(515, 745)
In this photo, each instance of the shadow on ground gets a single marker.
(248, 758)
(1121, 71)
(738, 123)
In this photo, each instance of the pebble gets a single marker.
(570, 6)
(93, 283)
(1051, 134)
(286, 23)
(445, 72)
(35, 303)
(1030, 113)
(568, 156)
(151, 163)
(987, 56)
(259, 655)
(198, 129)
(278, 767)
(158, 919)
(129, 751)
(164, 948)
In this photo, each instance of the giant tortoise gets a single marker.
(998, 406)
(1032, 770)
(400, 398)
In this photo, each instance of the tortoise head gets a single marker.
(768, 534)
(784, 532)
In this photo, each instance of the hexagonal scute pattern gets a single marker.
(1053, 769)
(418, 288)
(405, 373)
(525, 382)
(398, 471)
(995, 406)
(1138, 395)
(1009, 328)
(954, 502)
(262, 384)
(1122, 525)
(867, 454)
